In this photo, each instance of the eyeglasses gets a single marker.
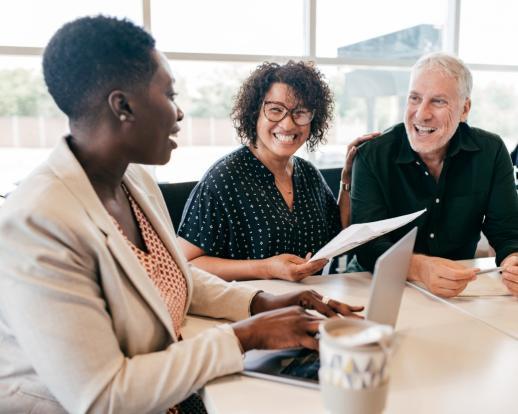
(276, 112)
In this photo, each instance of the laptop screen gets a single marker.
(300, 366)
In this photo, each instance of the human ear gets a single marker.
(465, 110)
(119, 106)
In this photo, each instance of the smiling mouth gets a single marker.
(284, 138)
(422, 130)
(172, 141)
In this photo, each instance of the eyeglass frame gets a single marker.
(288, 111)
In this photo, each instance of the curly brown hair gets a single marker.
(308, 86)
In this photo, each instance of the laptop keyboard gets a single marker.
(305, 365)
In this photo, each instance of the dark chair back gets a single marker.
(176, 194)
(332, 177)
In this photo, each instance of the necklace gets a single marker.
(283, 188)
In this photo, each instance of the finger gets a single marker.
(510, 261)
(330, 307)
(310, 296)
(297, 260)
(309, 341)
(313, 325)
(315, 293)
(511, 286)
(351, 153)
(446, 293)
(354, 308)
(344, 309)
(354, 316)
(451, 284)
(365, 137)
(311, 267)
(511, 268)
(511, 274)
(510, 282)
(308, 256)
(457, 274)
(324, 309)
(371, 134)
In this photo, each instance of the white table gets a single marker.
(500, 312)
(447, 360)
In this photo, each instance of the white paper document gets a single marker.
(357, 234)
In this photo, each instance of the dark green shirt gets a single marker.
(475, 192)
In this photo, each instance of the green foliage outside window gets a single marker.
(23, 93)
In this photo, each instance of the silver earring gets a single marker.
(122, 117)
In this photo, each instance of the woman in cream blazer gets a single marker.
(79, 317)
(83, 328)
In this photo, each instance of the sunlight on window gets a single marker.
(268, 27)
(32, 23)
(362, 29)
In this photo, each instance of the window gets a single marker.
(495, 99)
(32, 22)
(372, 29)
(488, 32)
(365, 49)
(266, 27)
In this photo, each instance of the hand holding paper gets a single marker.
(357, 234)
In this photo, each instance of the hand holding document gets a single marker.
(357, 234)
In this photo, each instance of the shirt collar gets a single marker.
(461, 141)
(256, 164)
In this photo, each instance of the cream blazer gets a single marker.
(82, 326)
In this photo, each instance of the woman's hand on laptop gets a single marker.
(306, 299)
(280, 328)
(281, 321)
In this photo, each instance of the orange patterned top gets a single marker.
(160, 266)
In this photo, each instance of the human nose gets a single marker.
(423, 112)
(179, 114)
(287, 122)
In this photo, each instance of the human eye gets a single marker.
(171, 95)
(413, 99)
(277, 109)
(439, 102)
(301, 111)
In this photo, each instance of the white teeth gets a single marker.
(424, 129)
(284, 138)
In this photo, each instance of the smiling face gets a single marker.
(156, 116)
(434, 110)
(281, 139)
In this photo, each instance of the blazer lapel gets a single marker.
(66, 167)
(165, 231)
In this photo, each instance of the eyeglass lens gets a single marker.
(276, 112)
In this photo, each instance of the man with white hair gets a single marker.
(462, 175)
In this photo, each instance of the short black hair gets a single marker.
(89, 57)
(308, 85)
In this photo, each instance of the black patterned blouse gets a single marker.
(237, 212)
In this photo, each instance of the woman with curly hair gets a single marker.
(261, 211)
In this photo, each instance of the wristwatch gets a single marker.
(345, 186)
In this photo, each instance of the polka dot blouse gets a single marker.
(237, 212)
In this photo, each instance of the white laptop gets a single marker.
(300, 366)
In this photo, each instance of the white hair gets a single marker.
(451, 66)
